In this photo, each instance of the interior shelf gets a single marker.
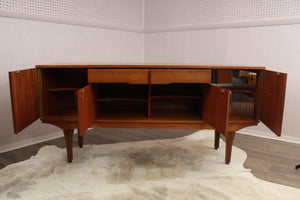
(121, 91)
(175, 116)
(167, 117)
(251, 92)
(122, 99)
(122, 116)
(244, 88)
(122, 108)
(156, 117)
(175, 96)
(63, 89)
(240, 118)
(67, 118)
(65, 115)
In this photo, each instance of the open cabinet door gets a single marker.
(216, 104)
(24, 98)
(86, 103)
(272, 100)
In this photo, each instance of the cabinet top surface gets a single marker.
(151, 66)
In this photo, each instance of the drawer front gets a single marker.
(131, 76)
(167, 76)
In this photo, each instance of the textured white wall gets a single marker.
(26, 43)
(170, 15)
(114, 14)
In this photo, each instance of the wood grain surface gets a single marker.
(215, 107)
(24, 98)
(168, 76)
(132, 76)
(87, 108)
(273, 97)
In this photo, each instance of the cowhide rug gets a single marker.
(183, 168)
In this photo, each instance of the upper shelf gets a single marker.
(175, 96)
(63, 89)
(122, 99)
(238, 87)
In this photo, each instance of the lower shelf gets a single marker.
(122, 116)
(176, 116)
(162, 116)
(241, 118)
(69, 115)
(164, 119)
(158, 116)
(60, 118)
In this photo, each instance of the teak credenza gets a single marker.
(222, 98)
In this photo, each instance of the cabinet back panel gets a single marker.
(122, 110)
(118, 90)
(242, 104)
(184, 89)
(63, 77)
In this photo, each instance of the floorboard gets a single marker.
(270, 160)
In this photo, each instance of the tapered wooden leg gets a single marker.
(229, 142)
(217, 139)
(69, 143)
(80, 140)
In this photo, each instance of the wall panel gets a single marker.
(117, 14)
(170, 15)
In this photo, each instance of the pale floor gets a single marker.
(270, 160)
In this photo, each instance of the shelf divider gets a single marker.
(149, 99)
(122, 99)
(175, 96)
(62, 89)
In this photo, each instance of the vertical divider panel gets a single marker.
(149, 94)
(257, 95)
(87, 108)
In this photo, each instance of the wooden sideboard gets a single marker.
(222, 98)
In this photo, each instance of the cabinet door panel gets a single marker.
(215, 107)
(273, 96)
(86, 102)
(24, 98)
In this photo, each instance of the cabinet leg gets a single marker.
(69, 143)
(80, 140)
(229, 142)
(217, 139)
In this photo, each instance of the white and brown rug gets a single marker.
(183, 168)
